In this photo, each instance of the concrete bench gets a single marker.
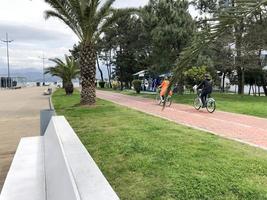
(55, 166)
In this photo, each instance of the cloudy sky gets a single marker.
(33, 35)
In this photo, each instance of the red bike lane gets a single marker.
(243, 128)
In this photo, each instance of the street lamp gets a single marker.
(7, 49)
(43, 58)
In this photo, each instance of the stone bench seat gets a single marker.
(55, 166)
(26, 176)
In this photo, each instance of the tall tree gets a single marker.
(221, 24)
(168, 28)
(239, 12)
(122, 39)
(105, 47)
(255, 41)
(87, 19)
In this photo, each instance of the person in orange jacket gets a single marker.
(164, 88)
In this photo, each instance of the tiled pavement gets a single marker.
(19, 117)
(242, 128)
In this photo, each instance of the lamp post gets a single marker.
(7, 49)
(43, 58)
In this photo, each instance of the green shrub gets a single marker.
(195, 75)
(102, 84)
(137, 85)
(115, 85)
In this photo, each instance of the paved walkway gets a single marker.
(19, 117)
(243, 128)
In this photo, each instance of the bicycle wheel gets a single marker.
(169, 101)
(211, 105)
(197, 103)
(158, 99)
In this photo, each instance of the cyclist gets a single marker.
(164, 87)
(206, 87)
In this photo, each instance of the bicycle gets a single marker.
(210, 103)
(160, 101)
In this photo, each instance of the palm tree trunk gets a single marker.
(88, 73)
(69, 88)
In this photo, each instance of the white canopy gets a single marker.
(141, 73)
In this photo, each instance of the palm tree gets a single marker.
(87, 19)
(67, 71)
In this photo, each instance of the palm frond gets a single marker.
(115, 14)
(89, 16)
(77, 10)
(57, 61)
(67, 70)
(84, 17)
(68, 12)
(103, 12)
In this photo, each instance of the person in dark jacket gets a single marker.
(206, 87)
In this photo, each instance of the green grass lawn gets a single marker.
(145, 157)
(243, 104)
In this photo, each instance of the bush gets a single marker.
(102, 84)
(137, 85)
(195, 75)
(115, 85)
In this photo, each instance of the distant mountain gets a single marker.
(32, 75)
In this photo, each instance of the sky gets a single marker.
(34, 36)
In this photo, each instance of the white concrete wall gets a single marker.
(71, 173)
(59, 180)
(55, 166)
(26, 177)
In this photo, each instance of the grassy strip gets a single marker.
(242, 104)
(145, 157)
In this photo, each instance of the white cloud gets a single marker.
(33, 35)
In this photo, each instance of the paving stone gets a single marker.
(19, 117)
